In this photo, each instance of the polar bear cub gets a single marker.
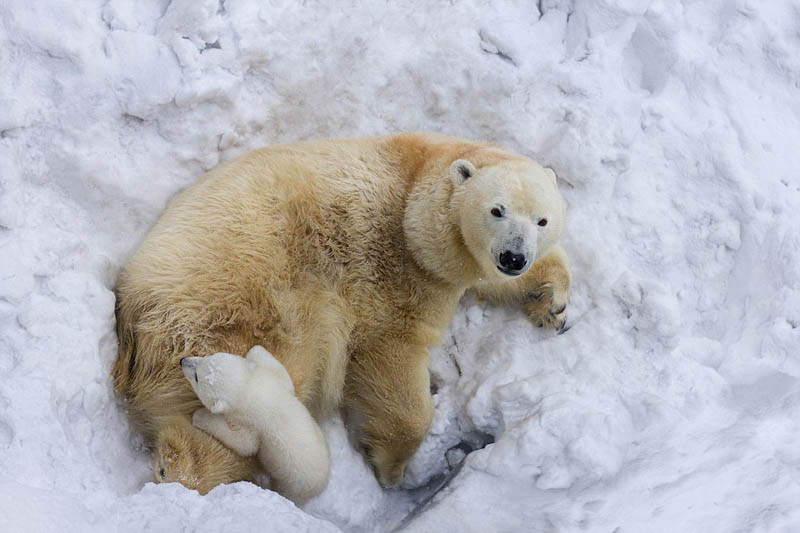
(251, 407)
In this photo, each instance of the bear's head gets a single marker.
(487, 216)
(510, 213)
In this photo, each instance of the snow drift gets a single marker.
(672, 403)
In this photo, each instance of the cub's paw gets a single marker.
(232, 433)
(546, 305)
(206, 420)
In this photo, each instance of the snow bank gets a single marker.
(673, 402)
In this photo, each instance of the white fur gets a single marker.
(526, 194)
(252, 409)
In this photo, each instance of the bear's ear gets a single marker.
(551, 173)
(461, 170)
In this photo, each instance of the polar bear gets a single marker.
(250, 406)
(177, 459)
(345, 259)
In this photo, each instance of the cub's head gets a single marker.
(510, 213)
(218, 380)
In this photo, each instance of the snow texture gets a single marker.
(672, 403)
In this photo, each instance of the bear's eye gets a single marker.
(162, 473)
(543, 222)
(498, 211)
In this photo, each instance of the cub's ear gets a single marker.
(461, 170)
(258, 354)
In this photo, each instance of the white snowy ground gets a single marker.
(673, 403)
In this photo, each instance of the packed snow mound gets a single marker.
(672, 403)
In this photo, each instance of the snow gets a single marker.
(672, 403)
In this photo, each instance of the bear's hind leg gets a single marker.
(393, 401)
(186, 455)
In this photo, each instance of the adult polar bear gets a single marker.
(346, 260)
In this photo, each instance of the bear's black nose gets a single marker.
(512, 262)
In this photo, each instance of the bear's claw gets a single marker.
(547, 306)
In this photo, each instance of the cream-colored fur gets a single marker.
(346, 260)
(251, 408)
(182, 454)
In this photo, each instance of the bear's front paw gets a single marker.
(546, 305)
